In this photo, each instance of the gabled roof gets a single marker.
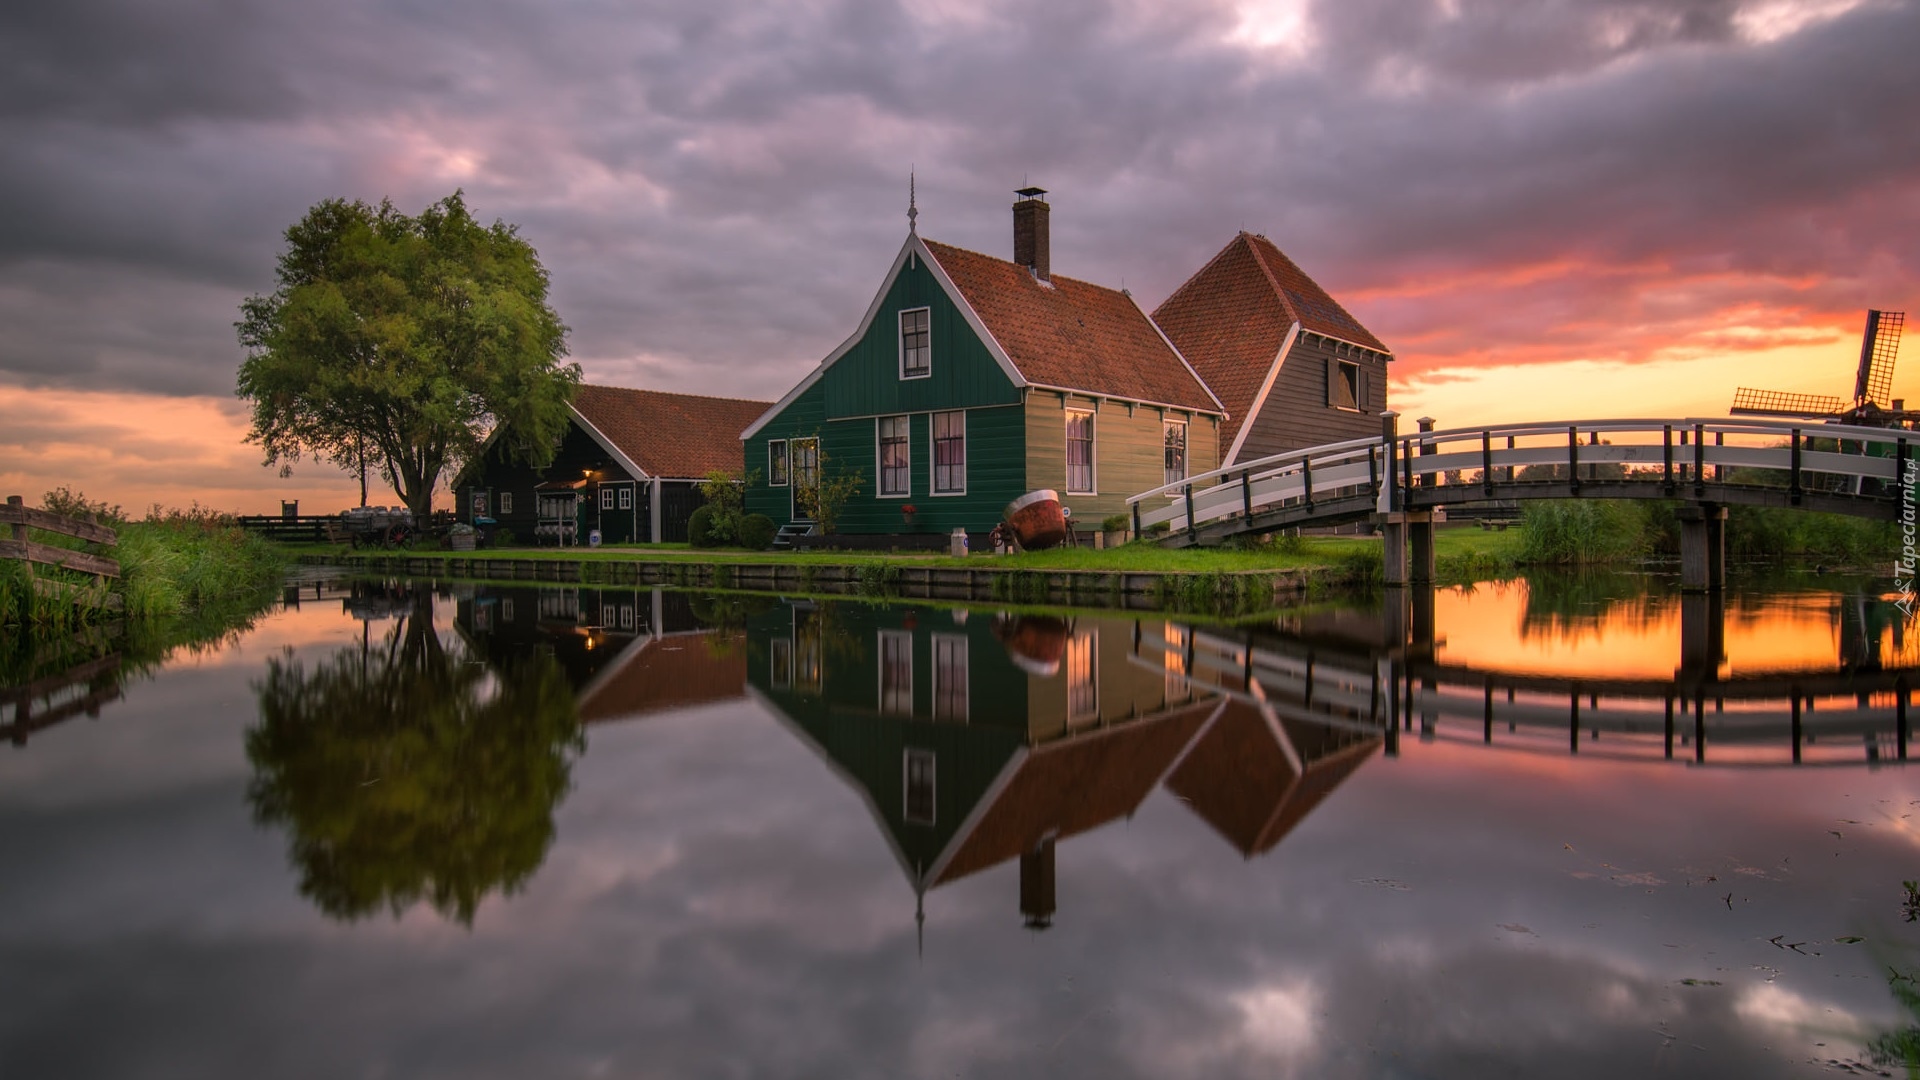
(675, 436)
(677, 671)
(1073, 335)
(1232, 318)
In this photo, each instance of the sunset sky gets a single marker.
(1565, 209)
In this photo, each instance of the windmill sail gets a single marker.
(1748, 402)
(1878, 348)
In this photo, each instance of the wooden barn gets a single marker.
(1290, 365)
(628, 466)
(972, 380)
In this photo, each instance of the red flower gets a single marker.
(909, 510)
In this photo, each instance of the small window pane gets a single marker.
(506, 503)
(1176, 452)
(950, 452)
(918, 768)
(896, 673)
(1080, 452)
(896, 459)
(626, 500)
(1343, 385)
(777, 463)
(916, 350)
(606, 498)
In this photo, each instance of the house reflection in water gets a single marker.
(627, 652)
(978, 739)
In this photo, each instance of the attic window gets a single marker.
(1343, 385)
(916, 345)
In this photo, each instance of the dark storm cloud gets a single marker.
(716, 188)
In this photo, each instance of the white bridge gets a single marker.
(1397, 480)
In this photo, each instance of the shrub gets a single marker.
(757, 532)
(724, 500)
(700, 527)
(1115, 523)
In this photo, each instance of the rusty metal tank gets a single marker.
(1037, 519)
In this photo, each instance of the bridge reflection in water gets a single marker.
(1389, 675)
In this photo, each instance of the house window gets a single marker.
(777, 463)
(950, 677)
(506, 609)
(916, 345)
(917, 778)
(606, 498)
(626, 616)
(479, 504)
(1083, 679)
(895, 459)
(506, 503)
(782, 659)
(950, 453)
(896, 672)
(1343, 385)
(1080, 453)
(806, 463)
(1176, 450)
(1177, 639)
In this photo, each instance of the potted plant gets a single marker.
(461, 537)
(1114, 529)
(907, 511)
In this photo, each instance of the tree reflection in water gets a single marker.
(406, 773)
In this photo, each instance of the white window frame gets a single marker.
(902, 639)
(606, 497)
(933, 454)
(506, 503)
(1167, 424)
(785, 471)
(955, 646)
(900, 338)
(1093, 451)
(626, 497)
(879, 460)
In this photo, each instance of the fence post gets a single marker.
(1700, 460)
(1486, 462)
(1793, 477)
(1667, 436)
(1246, 492)
(1389, 428)
(1426, 447)
(1190, 528)
(1573, 458)
(19, 528)
(1306, 482)
(1136, 521)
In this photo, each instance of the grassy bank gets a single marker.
(1586, 531)
(174, 564)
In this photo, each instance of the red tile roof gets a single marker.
(1238, 779)
(674, 672)
(1229, 319)
(676, 436)
(1072, 334)
(1076, 784)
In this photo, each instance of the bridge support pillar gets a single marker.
(1703, 548)
(1703, 637)
(1406, 547)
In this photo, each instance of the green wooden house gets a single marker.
(628, 467)
(972, 380)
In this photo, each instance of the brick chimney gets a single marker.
(1030, 246)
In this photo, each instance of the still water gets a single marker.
(1573, 827)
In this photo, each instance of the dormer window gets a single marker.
(916, 344)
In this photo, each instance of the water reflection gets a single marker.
(404, 772)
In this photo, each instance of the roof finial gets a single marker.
(913, 210)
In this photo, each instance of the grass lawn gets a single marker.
(1459, 552)
(1314, 551)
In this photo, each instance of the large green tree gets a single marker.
(399, 342)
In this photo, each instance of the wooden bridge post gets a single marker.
(1703, 548)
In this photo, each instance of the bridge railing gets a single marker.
(1797, 457)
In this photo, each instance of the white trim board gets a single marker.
(1260, 398)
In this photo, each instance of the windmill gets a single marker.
(1873, 403)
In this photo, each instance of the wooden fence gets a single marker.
(23, 518)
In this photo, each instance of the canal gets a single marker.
(1579, 826)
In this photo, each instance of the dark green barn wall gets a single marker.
(864, 384)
